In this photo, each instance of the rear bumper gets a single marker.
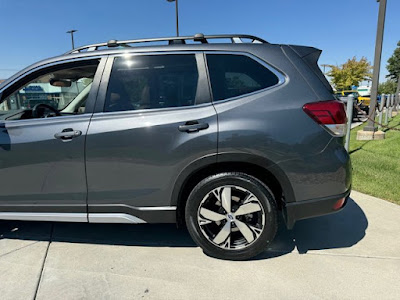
(312, 208)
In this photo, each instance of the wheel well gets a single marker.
(254, 170)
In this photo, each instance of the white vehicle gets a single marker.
(364, 90)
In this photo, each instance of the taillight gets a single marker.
(331, 114)
(339, 204)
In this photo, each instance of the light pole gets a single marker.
(324, 66)
(177, 16)
(397, 95)
(72, 36)
(377, 65)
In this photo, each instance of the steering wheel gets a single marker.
(39, 109)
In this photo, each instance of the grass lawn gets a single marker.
(376, 164)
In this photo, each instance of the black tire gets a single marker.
(264, 198)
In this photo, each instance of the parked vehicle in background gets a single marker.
(364, 102)
(359, 101)
(342, 96)
(220, 137)
(364, 90)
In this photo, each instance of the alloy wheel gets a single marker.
(231, 217)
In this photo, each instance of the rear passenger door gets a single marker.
(154, 117)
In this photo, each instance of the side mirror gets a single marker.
(60, 82)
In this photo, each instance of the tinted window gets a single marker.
(152, 81)
(236, 75)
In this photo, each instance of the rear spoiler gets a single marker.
(310, 56)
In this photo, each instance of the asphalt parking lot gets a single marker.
(352, 254)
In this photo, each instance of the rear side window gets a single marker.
(236, 75)
(152, 81)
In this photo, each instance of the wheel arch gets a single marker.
(261, 168)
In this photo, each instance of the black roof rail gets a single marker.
(199, 37)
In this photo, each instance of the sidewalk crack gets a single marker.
(44, 261)
(355, 255)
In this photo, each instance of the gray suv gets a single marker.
(216, 133)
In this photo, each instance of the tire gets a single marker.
(242, 233)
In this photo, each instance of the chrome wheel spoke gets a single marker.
(226, 199)
(217, 193)
(227, 244)
(250, 198)
(248, 209)
(203, 221)
(211, 215)
(250, 233)
(231, 217)
(223, 234)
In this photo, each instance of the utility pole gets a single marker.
(324, 66)
(397, 95)
(176, 15)
(72, 36)
(377, 65)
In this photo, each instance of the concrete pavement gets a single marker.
(352, 254)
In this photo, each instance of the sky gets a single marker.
(34, 30)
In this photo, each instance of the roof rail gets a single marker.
(199, 37)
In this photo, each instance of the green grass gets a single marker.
(376, 164)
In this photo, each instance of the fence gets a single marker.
(387, 106)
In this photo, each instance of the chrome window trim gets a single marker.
(46, 121)
(282, 78)
(127, 113)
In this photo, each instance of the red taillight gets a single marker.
(339, 204)
(326, 112)
(331, 114)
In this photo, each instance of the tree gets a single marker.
(393, 65)
(350, 73)
(387, 87)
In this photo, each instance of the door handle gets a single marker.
(68, 134)
(193, 126)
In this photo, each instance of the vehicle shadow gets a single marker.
(339, 230)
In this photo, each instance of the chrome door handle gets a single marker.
(68, 134)
(193, 126)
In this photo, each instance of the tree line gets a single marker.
(354, 71)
